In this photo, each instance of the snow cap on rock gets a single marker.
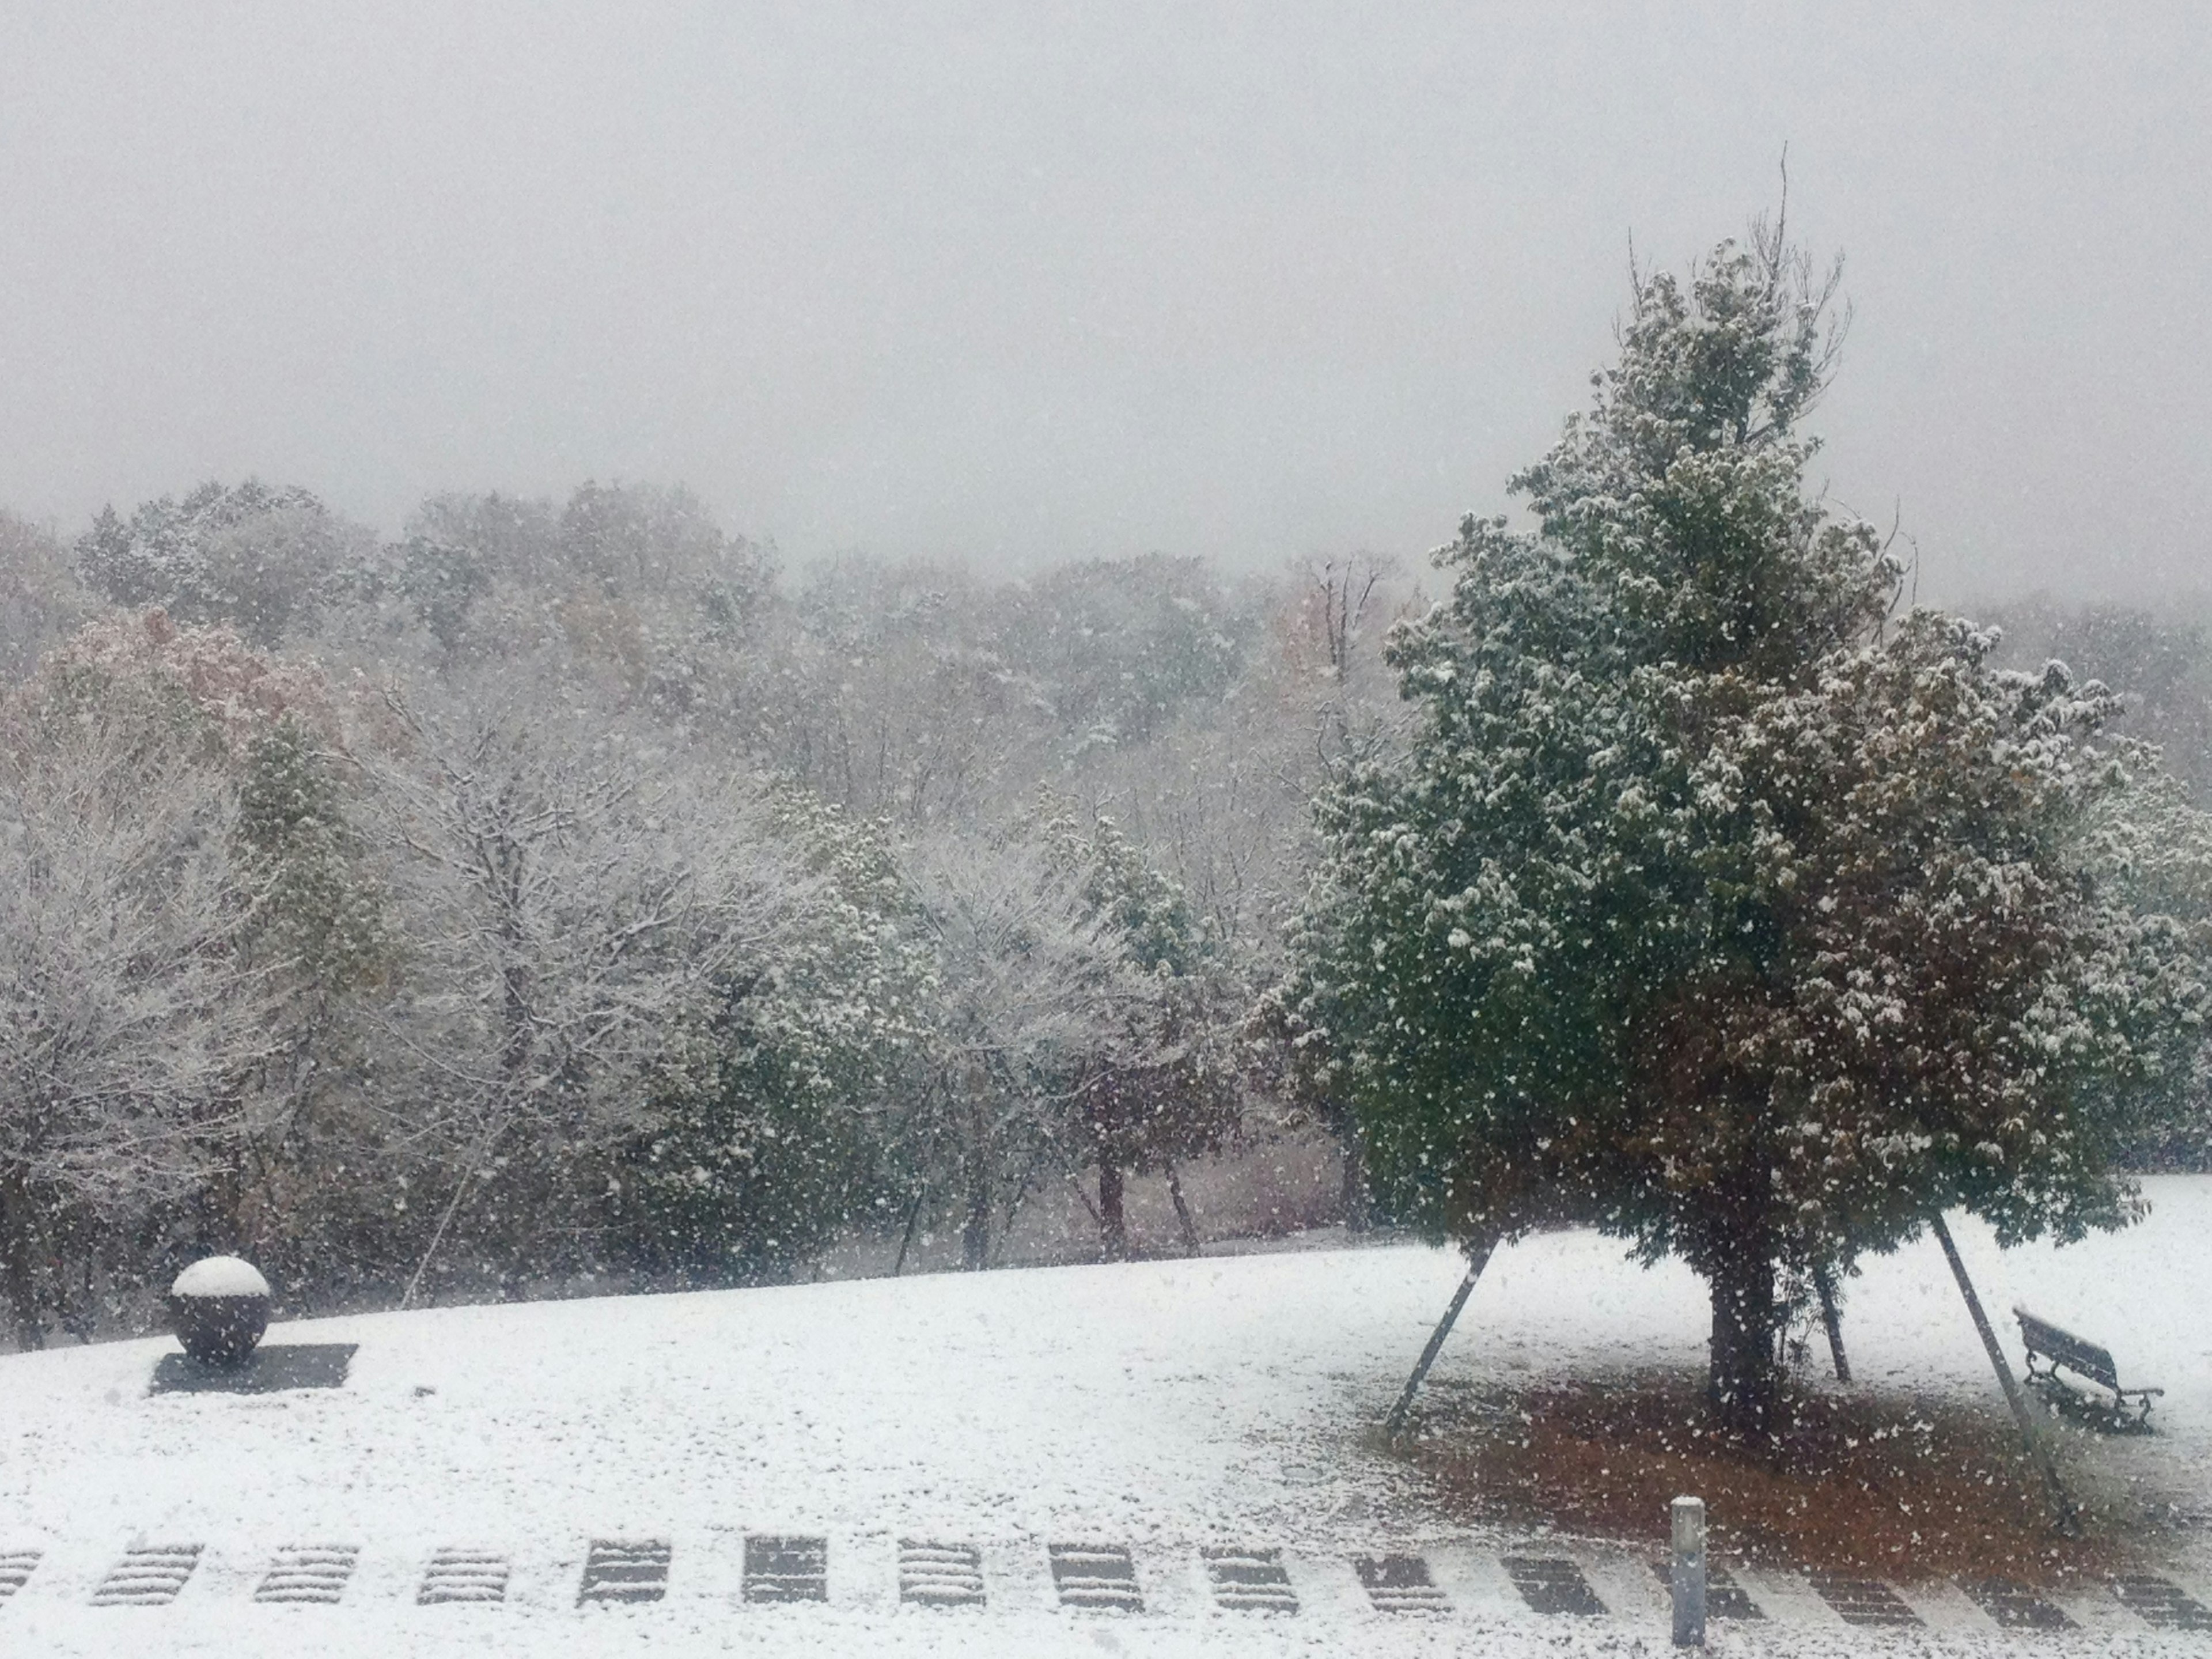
(221, 1275)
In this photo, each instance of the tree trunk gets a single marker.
(1183, 1213)
(1113, 1226)
(1833, 1318)
(975, 1235)
(18, 1272)
(1353, 1192)
(906, 1240)
(1743, 1381)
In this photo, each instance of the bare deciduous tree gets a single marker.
(569, 920)
(130, 1030)
(1034, 988)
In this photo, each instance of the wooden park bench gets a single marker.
(2060, 1350)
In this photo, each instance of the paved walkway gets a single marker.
(1019, 1592)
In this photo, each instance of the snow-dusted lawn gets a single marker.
(1165, 1405)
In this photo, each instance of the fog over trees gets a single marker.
(562, 887)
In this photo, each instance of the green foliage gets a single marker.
(320, 912)
(1127, 890)
(1169, 1091)
(441, 582)
(771, 1133)
(2154, 847)
(1705, 905)
(2159, 663)
(1118, 647)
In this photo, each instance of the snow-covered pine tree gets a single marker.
(1709, 905)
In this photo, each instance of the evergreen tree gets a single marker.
(1708, 904)
(1163, 1088)
(772, 1129)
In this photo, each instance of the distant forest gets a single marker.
(568, 888)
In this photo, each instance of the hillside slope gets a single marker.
(1166, 1406)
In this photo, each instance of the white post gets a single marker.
(1688, 1579)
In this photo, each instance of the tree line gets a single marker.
(565, 887)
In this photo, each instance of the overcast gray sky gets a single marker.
(1024, 282)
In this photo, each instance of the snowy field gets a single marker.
(1168, 1407)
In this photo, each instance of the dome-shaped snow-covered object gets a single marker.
(221, 1305)
(221, 1275)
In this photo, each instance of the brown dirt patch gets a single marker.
(1855, 1482)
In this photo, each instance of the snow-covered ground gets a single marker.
(1168, 1407)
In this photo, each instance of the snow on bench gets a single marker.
(1096, 1576)
(312, 1573)
(780, 1569)
(149, 1576)
(15, 1569)
(2060, 1350)
(1400, 1583)
(463, 1575)
(940, 1575)
(1251, 1581)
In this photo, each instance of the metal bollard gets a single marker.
(1688, 1577)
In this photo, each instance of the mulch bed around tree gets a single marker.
(1856, 1482)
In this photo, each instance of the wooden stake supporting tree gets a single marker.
(1478, 1258)
(2064, 1515)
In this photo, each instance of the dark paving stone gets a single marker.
(2161, 1603)
(780, 1569)
(1861, 1600)
(1551, 1584)
(1724, 1597)
(268, 1369)
(463, 1575)
(2014, 1605)
(15, 1568)
(1247, 1580)
(940, 1575)
(1096, 1576)
(311, 1573)
(1400, 1583)
(618, 1570)
(148, 1576)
